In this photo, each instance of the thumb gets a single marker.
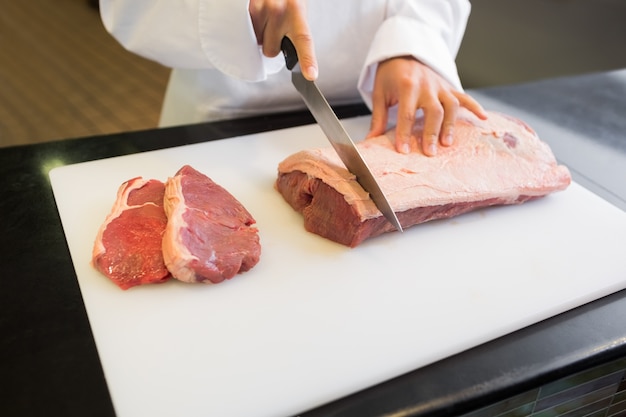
(305, 48)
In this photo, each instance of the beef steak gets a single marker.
(209, 235)
(498, 161)
(127, 248)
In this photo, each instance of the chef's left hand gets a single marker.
(412, 85)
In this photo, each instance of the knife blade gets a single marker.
(336, 134)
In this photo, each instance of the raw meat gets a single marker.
(494, 162)
(128, 245)
(209, 235)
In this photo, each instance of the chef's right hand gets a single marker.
(274, 19)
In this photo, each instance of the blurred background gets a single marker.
(63, 76)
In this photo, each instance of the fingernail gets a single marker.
(406, 148)
(432, 149)
(312, 72)
(448, 139)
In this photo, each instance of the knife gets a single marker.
(336, 134)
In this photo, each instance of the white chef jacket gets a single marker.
(221, 73)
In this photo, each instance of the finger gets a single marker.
(303, 42)
(406, 121)
(472, 105)
(274, 19)
(450, 111)
(258, 21)
(433, 118)
(272, 39)
(302, 39)
(380, 114)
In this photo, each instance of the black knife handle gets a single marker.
(290, 53)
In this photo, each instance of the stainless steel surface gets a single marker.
(337, 135)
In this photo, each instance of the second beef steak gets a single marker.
(209, 236)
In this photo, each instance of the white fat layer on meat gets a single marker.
(120, 205)
(500, 158)
(175, 253)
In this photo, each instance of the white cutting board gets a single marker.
(314, 320)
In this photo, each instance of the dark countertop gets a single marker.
(48, 359)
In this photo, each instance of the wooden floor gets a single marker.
(63, 76)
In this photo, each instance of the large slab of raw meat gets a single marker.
(500, 161)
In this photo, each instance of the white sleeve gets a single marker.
(429, 30)
(192, 34)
